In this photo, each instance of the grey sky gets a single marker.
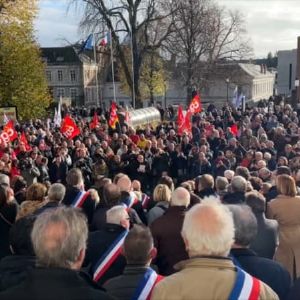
(271, 25)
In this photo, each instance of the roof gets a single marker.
(255, 71)
(60, 55)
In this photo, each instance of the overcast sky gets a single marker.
(271, 25)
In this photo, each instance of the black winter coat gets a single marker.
(54, 283)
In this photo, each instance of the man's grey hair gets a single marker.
(58, 236)
(56, 192)
(245, 224)
(238, 184)
(180, 197)
(116, 214)
(208, 229)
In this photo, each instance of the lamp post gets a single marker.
(227, 86)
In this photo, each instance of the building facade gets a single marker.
(287, 72)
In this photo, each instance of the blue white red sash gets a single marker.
(246, 287)
(145, 201)
(80, 198)
(146, 285)
(109, 256)
(131, 200)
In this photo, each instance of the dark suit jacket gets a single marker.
(88, 206)
(98, 243)
(266, 240)
(234, 198)
(166, 231)
(270, 272)
(54, 283)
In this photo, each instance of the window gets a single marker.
(73, 75)
(73, 94)
(60, 92)
(48, 75)
(60, 75)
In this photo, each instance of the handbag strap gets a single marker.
(5, 220)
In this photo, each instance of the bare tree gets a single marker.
(136, 19)
(204, 34)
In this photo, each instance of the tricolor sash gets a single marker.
(145, 201)
(146, 285)
(246, 287)
(110, 256)
(80, 198)
(131, 200)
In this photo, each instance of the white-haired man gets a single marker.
(238, 188)
(104, 246)
(208, 233)
(166, 233)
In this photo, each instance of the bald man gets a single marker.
(129, 198)
(166, 231)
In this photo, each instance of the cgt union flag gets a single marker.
(113, 118)
(68, 128)
(195, 105)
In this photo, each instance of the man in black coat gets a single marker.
(139, 251)
(166, 231)
(266, 240)
(59, 240)
(75, 185)
(14, 268)
(270, 272)
(99, 243)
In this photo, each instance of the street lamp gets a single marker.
(227, 85)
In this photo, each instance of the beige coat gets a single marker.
(203, 279)
(286, 210)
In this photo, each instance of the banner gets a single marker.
(195, 105)
(8, 133)
(113, 118)
(180, 121)
(10, 112)
(68, 128)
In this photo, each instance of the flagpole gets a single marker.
(112, 65)
(97, 83)
(133, 81)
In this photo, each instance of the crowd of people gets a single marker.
(146, 213)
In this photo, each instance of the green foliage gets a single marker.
(22, 73)
(152, 76)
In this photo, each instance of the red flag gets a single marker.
(180, 120)
(23, 140)
(195, 105)
(187, 122)
(9, 133)
(95, 121)
(234, 129)
(68, 128)
(113, 119)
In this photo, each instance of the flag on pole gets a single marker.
(187, 122)
(195, 105)
(94, 123)
(113, 118)
(23, 140)
(58, 120)
(5, 119)
(105, 40)
(180, 120)
(69, 128)
(237, 98)
(234, 129)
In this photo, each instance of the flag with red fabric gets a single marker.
(23, 140)
(234, 129)
(195, 105)
(180, 120)
(113, 118)
(95, 121)
(9, 133)
(188, 122)
(69, 128)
